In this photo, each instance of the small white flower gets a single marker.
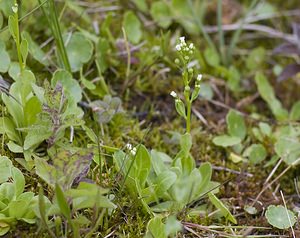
(191, 46)
(133, 151)
(15, 8)
(128, 146)
(178, 47)
(182, 39)
(173, 94)
(199, 77)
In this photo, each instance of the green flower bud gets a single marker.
(180, 108)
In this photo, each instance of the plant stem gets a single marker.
(188, 115)
(16, 16)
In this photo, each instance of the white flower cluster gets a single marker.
(131, 149)
(198, 80)
(182, 46)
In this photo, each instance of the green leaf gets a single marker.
(36, 136)
(14, 70)
(156, 228)
(235, 158)
(71, 87)
(42, 207)
(62, 202)
(9, 128)
(185, 189)
(159, 161)
(223, 209)
(172, 226)
(295, 112)
(141, 4)
(4, 228)
(288, 148)
(187, 162)
(32, 108)
(183, 15)
(225, 140)
(132, 27)
(206, 91)
(206, 172)
(163, 207)
(234, 79)
(65, 168)
(267, 93)
(88, 84)
(265, 128)
(19, 207)
(212, 57)
(5, 169)
(256, 58)
(161, 14)
(6, 7)
(5, 59)
(24, 50)
(256, 153)
(102, 49)
(236, 124)
(280, 217)
(141, 166)
(35, 50)
(19, 181)
(79, 50)
(107, 108)
(181, 7)
(12, 26)
(186, 143)
(88, 195)
(164, 181)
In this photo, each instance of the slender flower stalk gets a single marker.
(15, 31)
(184, 108)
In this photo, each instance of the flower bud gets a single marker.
(180, 108)
(195, 93)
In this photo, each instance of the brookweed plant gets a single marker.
(166, 186)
